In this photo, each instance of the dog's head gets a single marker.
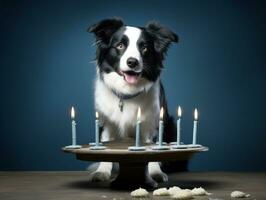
(130, 58)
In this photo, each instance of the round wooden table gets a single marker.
(133, 164)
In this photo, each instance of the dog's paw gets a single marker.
(99, 176)
(159, 177)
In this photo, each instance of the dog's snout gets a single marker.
(132, 62)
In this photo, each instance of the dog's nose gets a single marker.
(132, 62)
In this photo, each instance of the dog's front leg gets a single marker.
(156, 173)
(108, 133)
(154, 168)
(103, 172)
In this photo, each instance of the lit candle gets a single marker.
(194, 141)
(138, 128)
(137, 146)
(97, 137)
(178, 127)
(161, 126)
(74, 134)
(160, 145)
(177, 144)
(97, 145)
(74, 142)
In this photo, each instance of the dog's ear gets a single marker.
(104, 29)
(163, 37)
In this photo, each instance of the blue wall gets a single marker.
(218, 67)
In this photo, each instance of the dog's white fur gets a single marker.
(119, 124)
(132, 50)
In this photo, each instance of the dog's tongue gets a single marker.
(132, 79)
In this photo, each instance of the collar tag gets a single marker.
(123, 97)
(121, 104)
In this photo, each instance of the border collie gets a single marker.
(129, 64)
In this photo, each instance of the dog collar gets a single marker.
(123, 97)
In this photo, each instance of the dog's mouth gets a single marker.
(130, 77)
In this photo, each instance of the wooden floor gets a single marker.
(74, 185)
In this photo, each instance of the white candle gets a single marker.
(194, 142)
(178, 127)
(97, 137)
(161, 126)
(138, 128)
(73, 126)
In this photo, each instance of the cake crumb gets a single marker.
(182, 194)
(199, 192)
(173, 190)
(239, 194)
(161, 192)
(139, 193)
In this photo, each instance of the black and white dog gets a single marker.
(129, 64)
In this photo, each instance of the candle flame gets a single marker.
(96, 115)
(196, 114)
(139, 114)
(72, 112)
(161, 113)
(179, 111)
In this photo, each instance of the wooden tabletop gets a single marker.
(75, 185)
(118, 152)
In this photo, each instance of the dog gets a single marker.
(129, 63)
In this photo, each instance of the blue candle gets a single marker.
(177, 144)
(160, 145)
(138, 128)
(194, 141)
(178, 127)
(97, 145)
(161, 126)
(137, 146)
(74, 136)
(97, 137)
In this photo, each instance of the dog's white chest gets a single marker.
(108, 104)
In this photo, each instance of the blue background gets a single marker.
(218, 67)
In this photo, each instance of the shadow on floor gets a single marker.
(185, 184)
(85, 184)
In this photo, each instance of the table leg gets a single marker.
(132, 176)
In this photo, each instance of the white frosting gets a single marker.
(161, 192)
(239, 194)
(173, 190)
(139, 193)
(199, 192)
(182, 194)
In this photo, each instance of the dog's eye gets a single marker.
(144, 49)
(120, 46)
